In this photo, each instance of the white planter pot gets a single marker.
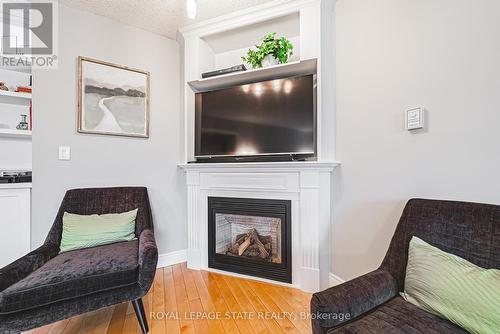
(269, 60)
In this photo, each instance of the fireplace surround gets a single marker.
(308, 187)
(250, 236)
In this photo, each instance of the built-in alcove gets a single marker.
(220, 43)
(225, 49)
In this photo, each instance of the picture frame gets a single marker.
(113, 99)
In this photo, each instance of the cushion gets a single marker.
(397, 317)
(74, 274)
(83, 231)
(453, 288)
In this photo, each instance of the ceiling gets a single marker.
(163, 17)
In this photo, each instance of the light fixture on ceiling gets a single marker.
(191, 9)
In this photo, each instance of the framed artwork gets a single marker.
(112, 99)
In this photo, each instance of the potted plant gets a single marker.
(271, 51)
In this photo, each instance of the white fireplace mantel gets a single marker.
(308, 185)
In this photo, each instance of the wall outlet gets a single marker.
(64, 153)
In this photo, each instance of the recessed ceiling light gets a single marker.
(191, 9)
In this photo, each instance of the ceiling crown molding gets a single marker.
(245, 17)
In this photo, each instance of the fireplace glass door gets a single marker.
(250, 236)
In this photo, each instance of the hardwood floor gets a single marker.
(188, 301)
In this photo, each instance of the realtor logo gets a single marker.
(28, 33)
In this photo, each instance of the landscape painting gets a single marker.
(113, 99)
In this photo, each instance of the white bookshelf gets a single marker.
(14, 104)
(14, 133)
(14, 97)
(15, 145)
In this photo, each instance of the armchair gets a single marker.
(372, 301)
(45, 286)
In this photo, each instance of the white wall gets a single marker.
(393, 55)
(107, 160)
(15, 153)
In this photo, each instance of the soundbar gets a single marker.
(237, 68)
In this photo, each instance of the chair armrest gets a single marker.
(351, 299)
(24, 266)
(148, 258)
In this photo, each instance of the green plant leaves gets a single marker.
(281, 49)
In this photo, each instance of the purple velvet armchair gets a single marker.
(371, 304)
(45, 286)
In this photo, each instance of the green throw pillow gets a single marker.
(453, 288)
(84, 231)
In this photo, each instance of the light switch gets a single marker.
(64, 153)
(415, 119)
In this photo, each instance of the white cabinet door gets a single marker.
(15, 217)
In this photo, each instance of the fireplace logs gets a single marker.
(251, 245)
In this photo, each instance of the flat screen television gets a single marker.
(264, 119)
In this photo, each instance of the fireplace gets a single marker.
(250, 236)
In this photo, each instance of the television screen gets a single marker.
(266, 118)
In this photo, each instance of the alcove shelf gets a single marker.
(11, 133)
(14, 97)
(296, 68)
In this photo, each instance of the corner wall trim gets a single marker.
(168, 259)
(335, 280)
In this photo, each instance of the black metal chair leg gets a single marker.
(141, 315)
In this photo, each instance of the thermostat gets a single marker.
(415, 119)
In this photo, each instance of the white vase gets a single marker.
(269, 60)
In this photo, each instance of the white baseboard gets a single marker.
(168, 259)
(335, 280)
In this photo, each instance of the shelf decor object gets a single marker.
(112, 99)
(272, 51)
(23, 125)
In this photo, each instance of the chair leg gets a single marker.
(141, 315)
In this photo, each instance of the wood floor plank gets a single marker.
(148, 304)
(58, 327)
(158, 325)
(41, 330)
(220, 305)
(177, 272)
(85, 323)
(244, 325)
(118, 319)
(285, 307)
(181, 299)
(131, 326)
(270, 323)
(189, 283)
(74, 325)
(245, 304)
(214, 322)
(102, 321)
(171, 318)
(271, 307)
(200, 321)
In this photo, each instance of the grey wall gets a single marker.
(393, 55)
(107, 160)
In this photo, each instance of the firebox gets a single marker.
(250, 236)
